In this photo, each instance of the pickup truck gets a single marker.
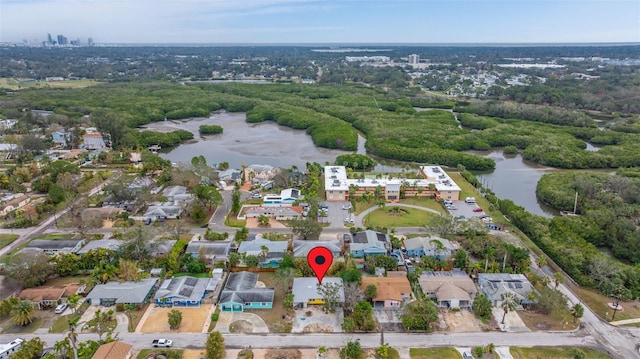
(162, 343)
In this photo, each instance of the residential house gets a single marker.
(450, 289)
(392, 291)
(215, 252)
(230, 176)
(111, 293)
(162, 247)
(277, 213)
(61, 138)
(434, 247)
(14, 204)
(93, 141)
(135, 158)
(7, 124)
(495, 285)
(369, 243)
(177, 194)
(162, 211)
(241, 293)
(113, 350)
(259, 174)
(56, 246)
(272, 258)
(305, 291)
(46, 297)
(301, 248)
(110, 244)
(182, 291)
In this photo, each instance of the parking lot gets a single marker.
(464, 210)
(336, 215)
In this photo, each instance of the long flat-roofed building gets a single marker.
(435, 183)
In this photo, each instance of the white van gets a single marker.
(470, 200)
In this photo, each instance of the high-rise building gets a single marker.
(90, 41)
(49, 39)
(62, 40)
(414, 59)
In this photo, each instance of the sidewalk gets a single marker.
(626, 321)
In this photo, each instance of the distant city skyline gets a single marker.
(322, 21)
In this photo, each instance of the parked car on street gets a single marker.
(162, 343)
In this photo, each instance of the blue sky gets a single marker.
(322, 21)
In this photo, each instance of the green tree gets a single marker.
(348, 325)
(234, 258)
(419, 315)
(235, 199)
(215, 346)
(352, 275)
(175, 319)
(370, 292)
(558, 278)
(509, 303)
(31, 349)
(352, 350)
(363, 316)
(306, 228)
(482, 306)
(461, 259)
(330, 293)
(22, 313)
(251, 261)
(577, 311)
(73, 301)
(29, 269)
(7, 305)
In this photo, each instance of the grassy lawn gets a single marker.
(273, 317)
(62, 281)
(424, 202)
(169, 353)
(30, 328)
(434, 353)
(555, 353)
(598, 303)
(405, 217)
(232, 221)
(361, 206)
(539, 321)
(6, 239)
(55, 236)
(14, 84)
(61, 325)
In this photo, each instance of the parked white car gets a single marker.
(61, 308)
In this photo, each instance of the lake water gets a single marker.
(515, 179)
(245, 143)
(272, 144)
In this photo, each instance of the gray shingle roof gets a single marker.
(307, 288)
(123, 292)
(53, 243)
(301, 248)
(182, 288)
(241, 288)
(112, 244)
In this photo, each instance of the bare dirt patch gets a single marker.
(539, 321)
(461, 322)
(193, 354)
(241, 326)
(283, 354)
(193, 319)
(253, 223)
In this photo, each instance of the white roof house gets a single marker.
(122, 292)
(305, 290)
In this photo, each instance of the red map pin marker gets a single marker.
(320, 259)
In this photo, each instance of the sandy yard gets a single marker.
(253, 223)
(193, 319)
(461, 322)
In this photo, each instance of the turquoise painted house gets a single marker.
(241, 293)
(369, 243)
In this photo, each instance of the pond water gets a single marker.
(245, 143)
(515, 179)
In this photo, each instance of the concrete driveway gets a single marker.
(512, 321)
(317, 321)
(225, 319)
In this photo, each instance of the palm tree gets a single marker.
(22, 313)
(264, 250)
(73, 301)
(509, 303)
(557, 276)
(577, 311)
(73, 339)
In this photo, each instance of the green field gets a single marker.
(434, 353)
(404, 217)
(556, 353)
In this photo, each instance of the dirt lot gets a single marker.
(288, 354)
(460, 322)
(193, 319)
(253, 223)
